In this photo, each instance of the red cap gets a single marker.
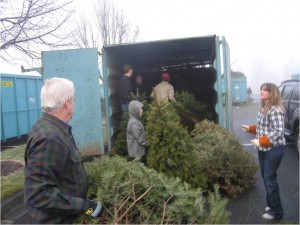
(165, 76)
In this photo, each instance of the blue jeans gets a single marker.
(269, 162)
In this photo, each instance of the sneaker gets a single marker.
(267, 216)
(267, 209)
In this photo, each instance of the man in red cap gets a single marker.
(163, 92)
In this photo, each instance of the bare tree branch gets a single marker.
(33, 24)
(84, 36)
(110, 27)
(113, 25)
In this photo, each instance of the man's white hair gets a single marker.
(55, 92)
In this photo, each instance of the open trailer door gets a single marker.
(227, 84)
(223, 84)
(81, 67)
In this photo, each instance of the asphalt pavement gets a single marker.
(246, 208)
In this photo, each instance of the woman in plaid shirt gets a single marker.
(270, 142)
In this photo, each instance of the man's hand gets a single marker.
(245, 128)
(255, 142)
(94, 209)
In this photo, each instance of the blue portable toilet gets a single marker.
(20, 104)
(239, 88)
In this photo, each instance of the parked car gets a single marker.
(290, 95)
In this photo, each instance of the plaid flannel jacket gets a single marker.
(271, 124)
(55, 180)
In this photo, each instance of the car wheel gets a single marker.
(297, 140)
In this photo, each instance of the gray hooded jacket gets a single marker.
(135, 135)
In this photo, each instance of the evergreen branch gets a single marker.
(186, 112)
(123, 204)
(115, 208)
(133, 191)
(135, 201)
(164, 208)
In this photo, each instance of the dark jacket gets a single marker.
(55, 180)
(125, 89)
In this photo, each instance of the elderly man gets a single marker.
(55, 180)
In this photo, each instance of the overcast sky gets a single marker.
(263, 35)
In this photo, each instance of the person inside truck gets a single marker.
(55, 180)
(125, 87)
(137, 86)
(270, 143)
(163, 92)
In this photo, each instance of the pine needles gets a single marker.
(134, 194)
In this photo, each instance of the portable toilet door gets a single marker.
(81, 67)
(239, 88)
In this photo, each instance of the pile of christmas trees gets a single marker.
(191, 163)
(206, 156)
(185, 142)
(131, 193)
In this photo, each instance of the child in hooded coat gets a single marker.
(136, 135)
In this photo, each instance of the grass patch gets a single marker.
(14, 182)
(14, 154)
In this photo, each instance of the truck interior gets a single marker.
(189, 62)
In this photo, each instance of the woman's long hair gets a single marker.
(275, 97)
